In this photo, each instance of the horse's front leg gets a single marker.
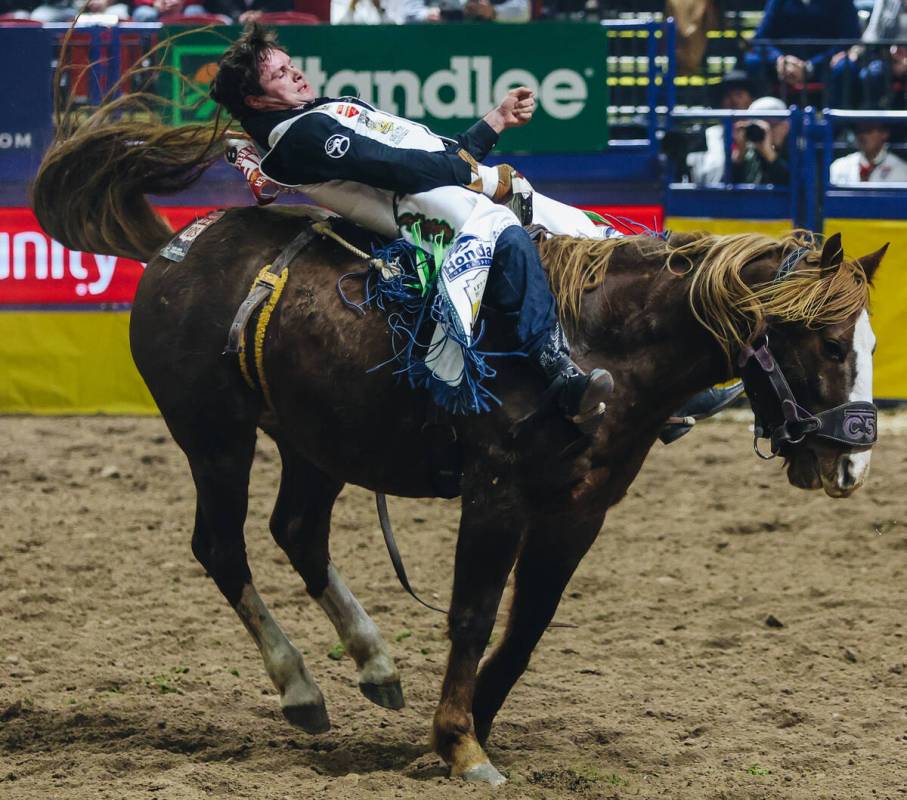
(486, 549)
(550, 554)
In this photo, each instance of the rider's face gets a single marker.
(284, 86)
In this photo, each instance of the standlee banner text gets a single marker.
(445, 77)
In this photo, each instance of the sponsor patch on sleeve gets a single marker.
(337, 145)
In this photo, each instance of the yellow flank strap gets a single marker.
(244, 367)
(278, 282)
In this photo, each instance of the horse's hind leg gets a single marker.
(547, 560)
(220, 466)
(301, 525)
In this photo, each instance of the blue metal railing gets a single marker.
(884, 199)
(657, 77)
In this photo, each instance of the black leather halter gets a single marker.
(852, 424)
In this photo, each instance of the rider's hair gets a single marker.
(237, 76)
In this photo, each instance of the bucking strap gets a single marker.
(266, 289)
(276, 282)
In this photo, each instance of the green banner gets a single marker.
(444, 76)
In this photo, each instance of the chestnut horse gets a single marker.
(667, 318)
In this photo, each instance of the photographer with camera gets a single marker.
(759, 153)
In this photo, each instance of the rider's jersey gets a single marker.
(347, 139)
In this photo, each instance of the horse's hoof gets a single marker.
(386, 695)
(312, 719)
(484, 773)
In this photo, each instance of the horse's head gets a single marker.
(788, 317)
(809, 369)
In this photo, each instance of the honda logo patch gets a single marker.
(337, 145)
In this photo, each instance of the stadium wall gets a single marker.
(64, 319)
(64, 345)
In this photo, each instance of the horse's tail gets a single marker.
(89, 191)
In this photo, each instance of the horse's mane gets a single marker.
(732, 311)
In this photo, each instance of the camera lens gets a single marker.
(754, 133)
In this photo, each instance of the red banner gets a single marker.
(631, 219)
(35, 270)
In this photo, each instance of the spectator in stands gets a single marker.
(398, 12)
(759, 151)
(500, 10)
(153, 10)
(66, 10)
(887, 21)
(876, 75)
(693, 19)
(18, 9)
(873, 162)
(573, 10)
(245, 11)
(734, 93)
(378, 12)
(793, 66)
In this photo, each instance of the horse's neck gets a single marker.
(639, 324)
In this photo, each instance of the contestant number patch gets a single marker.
(337, 145)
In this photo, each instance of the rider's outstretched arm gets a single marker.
(479, 140)
(316, 148)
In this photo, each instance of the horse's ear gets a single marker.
(869, 264)
(832, 253)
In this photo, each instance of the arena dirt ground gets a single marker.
(123, 673)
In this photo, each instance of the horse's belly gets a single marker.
(337, 400)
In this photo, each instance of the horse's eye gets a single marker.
(834, 350)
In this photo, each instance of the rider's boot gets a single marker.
(702, 405)
(242, 154)
(579, 396)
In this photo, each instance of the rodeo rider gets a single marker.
(367, 166)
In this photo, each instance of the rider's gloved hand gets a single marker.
(242, 154)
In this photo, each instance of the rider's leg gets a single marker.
(517, 284)
(564, 220)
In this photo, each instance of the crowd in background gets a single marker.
(361, 12)
(775, 69)
(796, 55)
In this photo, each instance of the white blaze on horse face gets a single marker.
(360, 636)
(283, 662)
(854, 467)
